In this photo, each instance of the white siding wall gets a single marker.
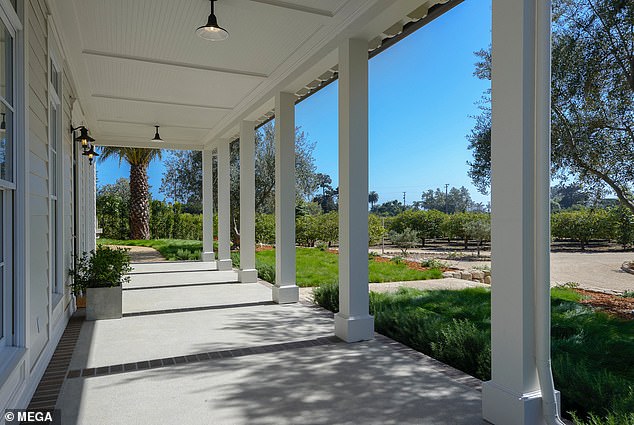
(37, 56)
(44, 323)
(67, 186)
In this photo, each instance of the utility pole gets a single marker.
(404, 203)
(446, 196)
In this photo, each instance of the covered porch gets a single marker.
(222, 352)
(136, 66)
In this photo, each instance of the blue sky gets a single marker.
(422, 95)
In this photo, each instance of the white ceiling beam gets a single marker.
(296, 7)
(152, 124)
(160, 102)
(138, 143)
(122, 57)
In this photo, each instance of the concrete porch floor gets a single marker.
(193, 348)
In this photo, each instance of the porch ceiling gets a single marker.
(138, 63)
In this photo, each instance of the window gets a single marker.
(55, 184)
(6, 106)
(7, 178)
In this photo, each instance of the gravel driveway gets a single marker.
(591, 270)
(597, 270)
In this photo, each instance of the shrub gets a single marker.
(461, 344)
(404, 240)
(612, 418)
(265, 228)
(327, 296)
(322, 246)
(433, 263)
(104, 267)
(265, 271)
(235, 260)
(187, 254)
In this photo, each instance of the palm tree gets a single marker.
(373, 198)
(139, 160)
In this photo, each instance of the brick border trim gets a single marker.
(47, 391)
(199, 357)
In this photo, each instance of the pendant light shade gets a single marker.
(211, 30)
(157, 136)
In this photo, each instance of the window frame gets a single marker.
(55, 179)
(7, 22)
(10, 335)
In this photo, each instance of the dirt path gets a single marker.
(142, 254)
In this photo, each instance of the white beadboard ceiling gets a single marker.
(138, 63)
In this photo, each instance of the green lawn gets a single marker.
(314, 267)
(593, 352)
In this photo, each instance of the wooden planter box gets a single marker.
(103, 303)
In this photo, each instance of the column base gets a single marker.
(500, 406)
(248, 276)
(208, 256)
(224, 265)
(354, 328)
(286, 294)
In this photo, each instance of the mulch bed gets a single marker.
(411, 264)
(613, 304)
(264, 248)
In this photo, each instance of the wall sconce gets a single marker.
(83, 137)
(3, 124)
(91, 154)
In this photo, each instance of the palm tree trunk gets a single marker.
(139, 202)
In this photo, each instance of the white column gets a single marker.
(285, 290)
(224, 207)
(520, 155)
(353, 321)
(248, 273)
(208, 207)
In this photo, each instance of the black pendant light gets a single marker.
(157, 136)
(212, 31)
(91, 154)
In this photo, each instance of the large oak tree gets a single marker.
(592, 98)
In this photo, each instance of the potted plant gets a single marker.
(99, 275)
